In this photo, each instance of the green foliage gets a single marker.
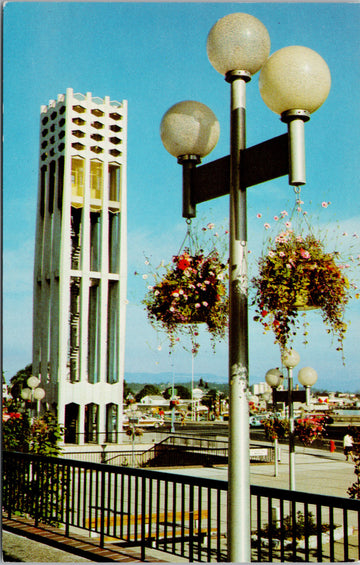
(181, 391)
(19, 381)
(300, 528)
(16, 432)
(148, 390)
(45, 435)
(276, 428)
(41, 436)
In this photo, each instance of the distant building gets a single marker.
(80, 264)
(260, 388)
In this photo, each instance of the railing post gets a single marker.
(143, 517)
(67, 494)
(102, 509)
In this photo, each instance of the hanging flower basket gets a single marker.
(295, 274)
(191, 291)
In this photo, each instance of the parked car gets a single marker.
(255, 421)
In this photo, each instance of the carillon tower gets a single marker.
(80, 264)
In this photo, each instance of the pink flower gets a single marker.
(324, 204)
(267, 226)
(197, 305)
(210, 226)
(259, 215)
(281, 254)
(304, 254)
(276, 218)
(288, 224)
(205, 304)
(284, 213)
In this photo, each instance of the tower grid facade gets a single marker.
(80, 264)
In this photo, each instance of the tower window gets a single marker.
(78, 146)
(79, 109)
(97, 112)
(114, 182)
(97, 125)
(115, 116)
(96, 179)
(53, 115)
(45, 120)
(62, 110)
(115, 128)
(44, 132)
(96, 149)
(62, 122)
(78, 133)
(115, 152)
(115, 140)
(77, 176)
(77, 121)
(97, 137)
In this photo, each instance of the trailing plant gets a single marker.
(310, 429)
(297, 272)
(276, 428)
(188, 291)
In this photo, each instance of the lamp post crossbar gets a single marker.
(259, 163)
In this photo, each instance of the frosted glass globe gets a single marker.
(307, 376)
(189, 128)
(290, 358)
(294, 78)
(39, 393)
(33, 382)
(274, 378)
(238, 42)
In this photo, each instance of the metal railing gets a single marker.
(177, 514)
(172, 451)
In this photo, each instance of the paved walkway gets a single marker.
(316, 471)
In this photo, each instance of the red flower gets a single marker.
(264, 313)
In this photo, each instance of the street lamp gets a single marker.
(307, 377)
(290, 359)
(274, 378)
(238, 45)
(34, 392)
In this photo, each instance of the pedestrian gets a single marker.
(348, 446)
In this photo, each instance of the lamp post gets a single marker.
(34, 392)
(307, 377)
(238, 45)
(290, 359)
(274, 378)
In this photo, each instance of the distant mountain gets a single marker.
(166, 377)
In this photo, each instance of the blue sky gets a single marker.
(154, 55)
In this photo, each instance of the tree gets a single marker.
(181, 391)
(127, 390)
(210, 398)
(148, 390)
(19, 381)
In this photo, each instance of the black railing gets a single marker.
(182, 515)
(172, 451)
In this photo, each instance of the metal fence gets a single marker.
(182, 515)
(173, 450)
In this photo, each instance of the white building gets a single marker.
(80, 264)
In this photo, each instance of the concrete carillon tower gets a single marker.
(80, 264)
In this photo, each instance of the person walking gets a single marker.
(348, 443)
